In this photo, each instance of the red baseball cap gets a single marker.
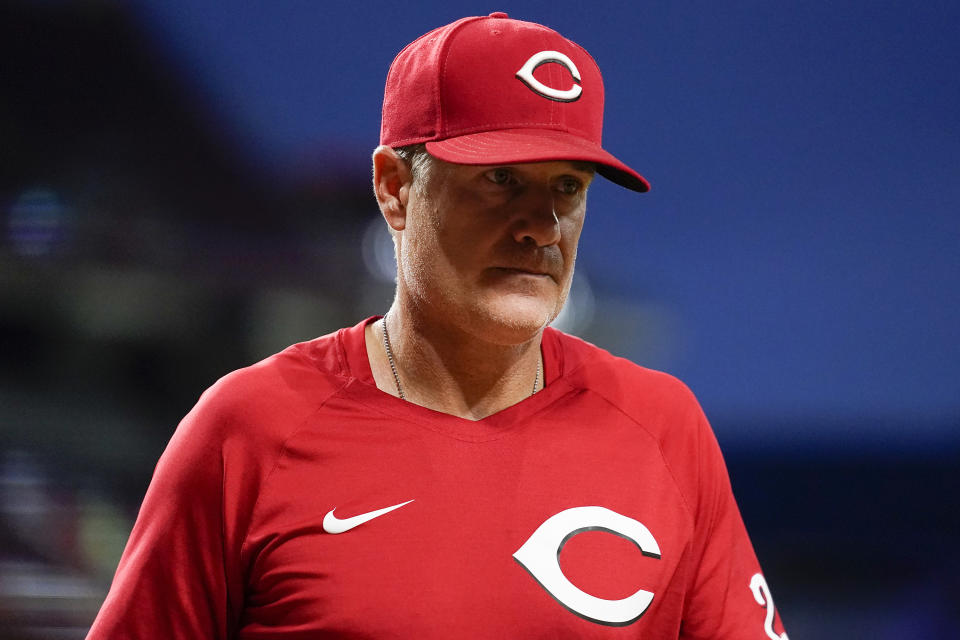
(492, 90)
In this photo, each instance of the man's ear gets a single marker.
(392, 181)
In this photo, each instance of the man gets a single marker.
(454, 469)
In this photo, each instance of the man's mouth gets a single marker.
(526, 270)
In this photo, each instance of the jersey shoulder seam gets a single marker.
(281, 452)
(666, 461)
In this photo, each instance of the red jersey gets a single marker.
(297, 500)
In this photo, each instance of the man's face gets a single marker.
(490, 250)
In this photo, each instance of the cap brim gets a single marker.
(514, 146)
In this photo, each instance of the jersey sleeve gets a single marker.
(728, 597)
(178, 575)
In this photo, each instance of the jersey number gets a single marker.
(761, 593)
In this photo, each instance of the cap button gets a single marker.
(499, 14)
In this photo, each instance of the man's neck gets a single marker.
(451, 371)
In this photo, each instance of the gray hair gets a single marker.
(420, 161)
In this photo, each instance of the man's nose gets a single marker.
(535, 218)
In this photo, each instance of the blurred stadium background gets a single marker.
(185, 190)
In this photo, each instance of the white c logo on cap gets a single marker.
(540, 555)
(525, 75)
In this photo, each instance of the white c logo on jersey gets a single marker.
(540, 555)
(525, 74)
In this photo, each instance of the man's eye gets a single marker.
(570, 186)
(499, 176)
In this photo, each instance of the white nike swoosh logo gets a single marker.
(333, 524)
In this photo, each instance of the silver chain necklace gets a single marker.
(396, 376)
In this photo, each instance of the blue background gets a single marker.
(803, 230)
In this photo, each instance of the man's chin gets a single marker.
(515, 321)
